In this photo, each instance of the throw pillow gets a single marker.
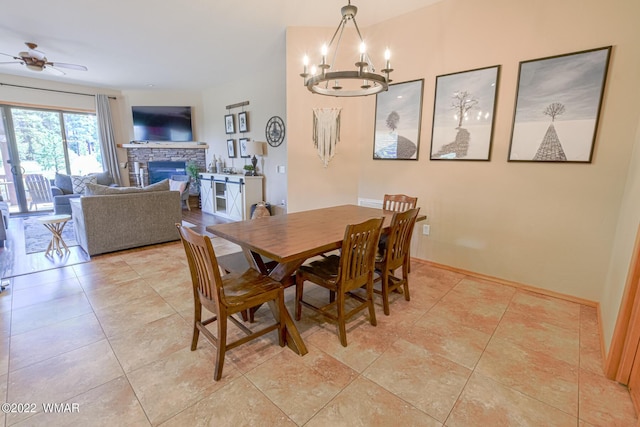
(177, 185)
(101, 190)
(63, 182)
(80, 182)
(103, 178)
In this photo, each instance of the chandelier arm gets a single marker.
(355, 24)
(342, 24)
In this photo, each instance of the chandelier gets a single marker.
(362, 81)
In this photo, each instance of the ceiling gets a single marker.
(170, 44)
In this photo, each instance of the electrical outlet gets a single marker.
(426, 228)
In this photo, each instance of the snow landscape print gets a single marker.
(557, 107)
(397, 125)
(463, 114)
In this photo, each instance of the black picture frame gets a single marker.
(229, 124)
(231, 148)
(464, 110)
(557, 109)
(397, 122)
(242, 144)
(243, 122)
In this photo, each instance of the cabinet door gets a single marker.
(206, 196)
(235, 200)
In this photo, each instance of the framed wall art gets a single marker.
(463, 114)
(229, 124)
(243, 124)
(557, 107)
(242, 143)
(397, 124)
(231, 148)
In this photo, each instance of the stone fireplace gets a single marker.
(145, 153)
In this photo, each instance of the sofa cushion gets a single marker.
(79, 182)
(63, 182)
(103, 178)
(101, 190)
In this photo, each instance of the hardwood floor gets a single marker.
(14, 261)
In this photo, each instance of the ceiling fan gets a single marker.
(36, 60)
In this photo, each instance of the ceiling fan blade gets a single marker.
(52, 68)
(68, 66)
(11, 62)
(6, 54)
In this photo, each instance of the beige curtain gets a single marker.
(107, 139)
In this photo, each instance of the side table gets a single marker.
(55, 224)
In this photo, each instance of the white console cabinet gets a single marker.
(229, 196)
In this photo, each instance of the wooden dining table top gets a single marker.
(299, 235)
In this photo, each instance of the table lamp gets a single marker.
(254, 148)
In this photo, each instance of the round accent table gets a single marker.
(55, 224)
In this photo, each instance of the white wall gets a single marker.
(550, 226)
(265, 91)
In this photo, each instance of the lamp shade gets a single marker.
(254, 148)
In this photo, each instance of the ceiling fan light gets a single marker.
(33, 67)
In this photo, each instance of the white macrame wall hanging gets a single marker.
(326, 132)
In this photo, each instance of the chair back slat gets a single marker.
(39, 188)
(205, 275)
(399, 239)
(398, 202)
(357, 261)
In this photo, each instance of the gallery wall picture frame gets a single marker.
(229, 124)
(558, 104)
(242, 143)
(397, 122)
(243, 122)
(464, 113)
(231, 148)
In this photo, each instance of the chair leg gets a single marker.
(405, 276)
(197, 317)
(385, 291)
(222, 345)
(282, 329)
(372, 309)
(342, 328)
(299, 289)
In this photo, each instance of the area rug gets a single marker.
(37, 236)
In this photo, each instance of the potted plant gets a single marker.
(249, 169)
(194, 174)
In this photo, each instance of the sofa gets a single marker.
(113, 219)
(62, 190)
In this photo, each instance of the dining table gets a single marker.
(287, 241)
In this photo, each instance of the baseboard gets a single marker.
(517, 285)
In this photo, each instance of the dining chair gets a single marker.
(398, 202)
(344, 273)
(226, 296)
(396, 256)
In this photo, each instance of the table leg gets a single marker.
(293, 338)
(57, 242)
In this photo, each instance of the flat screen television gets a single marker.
(159, 123)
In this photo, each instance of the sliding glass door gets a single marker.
(38, 143)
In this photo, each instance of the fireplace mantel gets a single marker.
(165, 146)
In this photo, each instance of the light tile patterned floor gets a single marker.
(113, 336)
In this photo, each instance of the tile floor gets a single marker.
(112, 336)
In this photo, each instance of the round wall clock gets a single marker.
(275, 131)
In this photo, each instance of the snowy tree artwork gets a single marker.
(397, 125)
(557, 107)
(463, 114)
